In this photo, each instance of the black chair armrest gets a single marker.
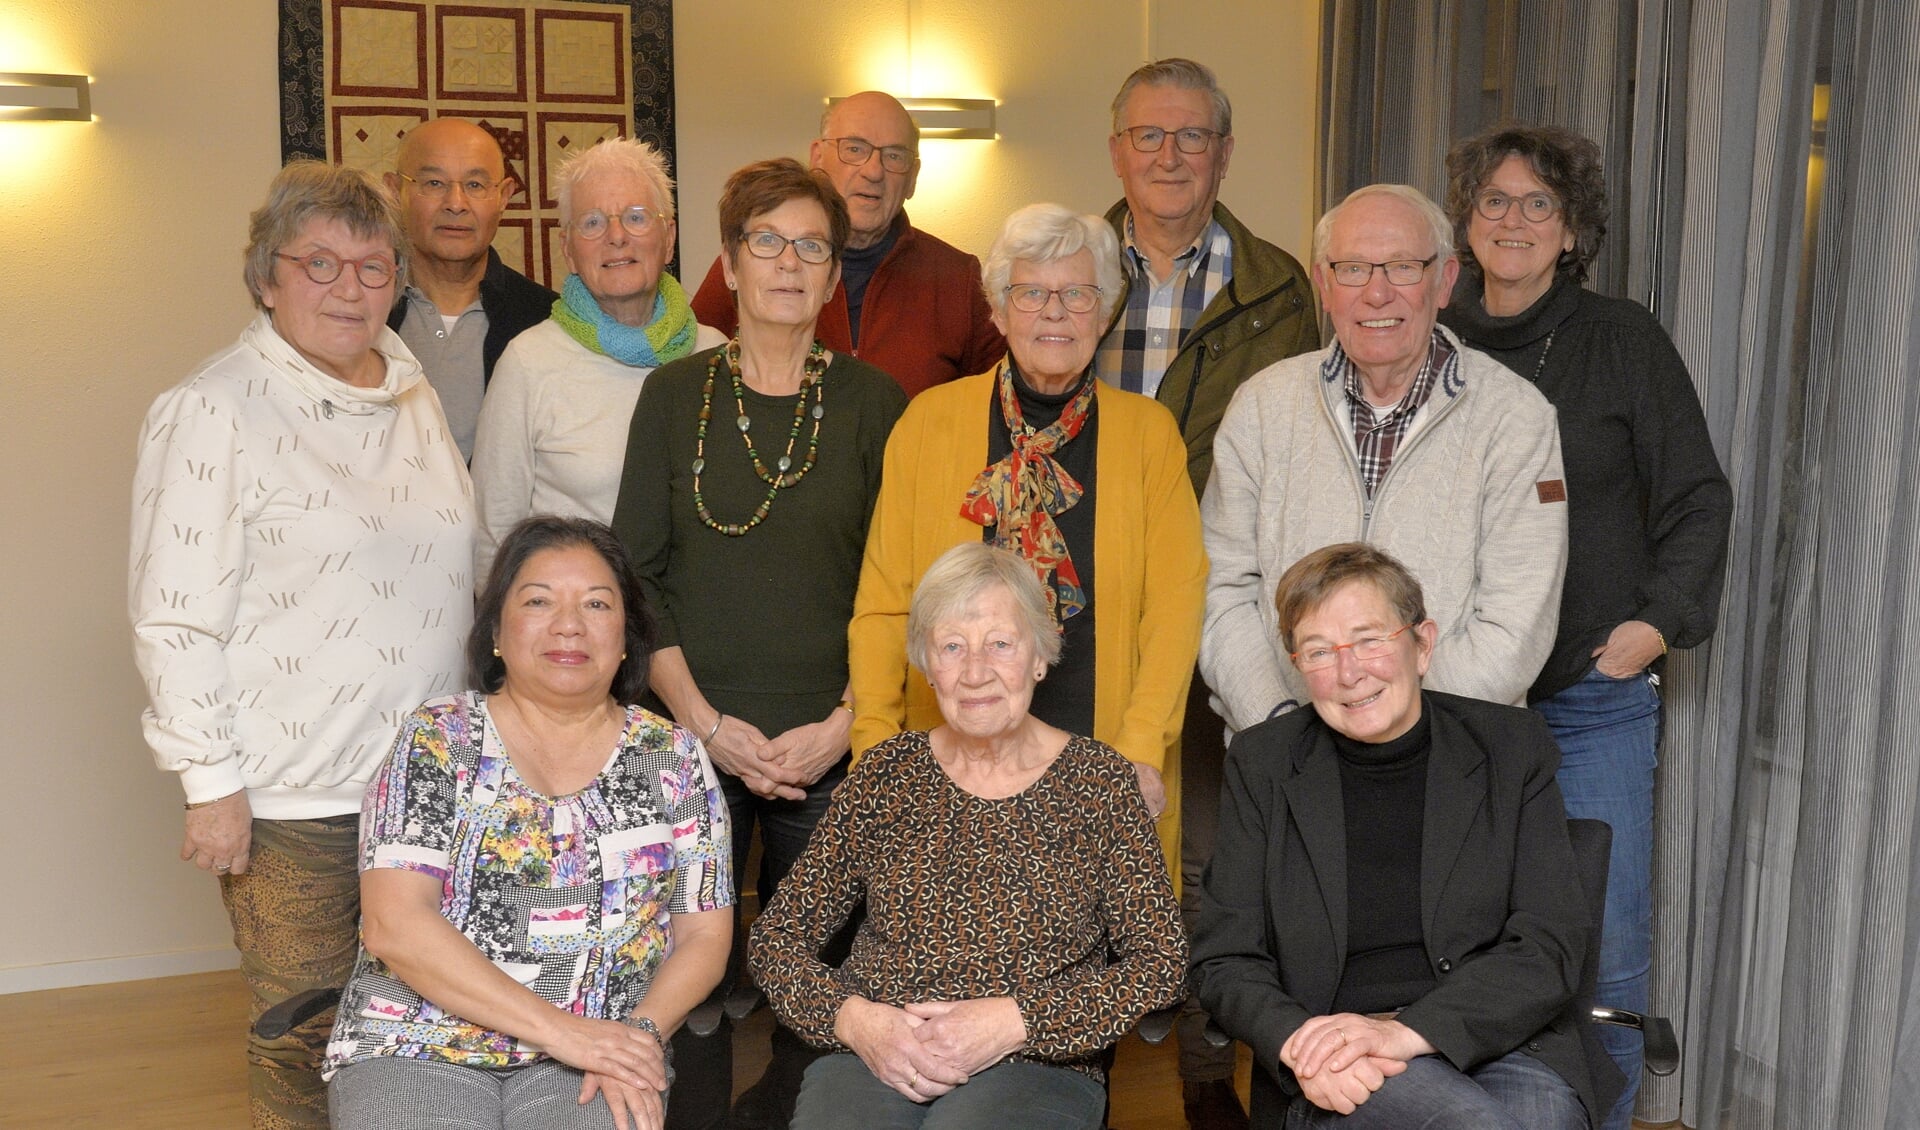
(1662, 1048)
(1157, 1025)
(1214, 1035)
(296, 1010)
(742, 998)
(704, 1019)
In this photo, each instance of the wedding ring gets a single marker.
(223, 867)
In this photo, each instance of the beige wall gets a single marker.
(119, 269)
(1053, 68)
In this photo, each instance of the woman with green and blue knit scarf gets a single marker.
(553, 427)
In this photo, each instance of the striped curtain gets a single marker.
(1782, 251)
(1403, 81)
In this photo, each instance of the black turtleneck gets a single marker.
(1647, 505)
(1383, 788)
(1518, 341)
(1065, 697)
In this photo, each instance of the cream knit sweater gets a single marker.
(1473, 503)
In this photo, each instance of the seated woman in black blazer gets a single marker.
(1392, 920)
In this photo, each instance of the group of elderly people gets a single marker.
(713, 570)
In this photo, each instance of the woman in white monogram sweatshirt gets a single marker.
(301, 579)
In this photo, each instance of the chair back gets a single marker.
(1592, 843)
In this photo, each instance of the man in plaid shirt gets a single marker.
(1207, 304)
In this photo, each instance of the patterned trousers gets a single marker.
(296, 923)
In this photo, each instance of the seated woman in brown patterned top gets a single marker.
(1019, 917)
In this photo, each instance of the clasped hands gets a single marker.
(925, 1050)
(782, 767)
(1342, 1059)
(625, 1066)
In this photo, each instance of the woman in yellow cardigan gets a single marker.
(1086, 482)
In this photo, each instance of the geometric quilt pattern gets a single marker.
(545, 77)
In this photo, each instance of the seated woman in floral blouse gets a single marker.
(1019, 916)
(545, 881)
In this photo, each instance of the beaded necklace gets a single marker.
(783, 475)
(1540, 366)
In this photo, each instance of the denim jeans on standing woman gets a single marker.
(1608, 731)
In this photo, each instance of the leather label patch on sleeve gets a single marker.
(1551, 490)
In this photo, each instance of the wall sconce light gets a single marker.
(957, 119)
(28, 97)
(950, 119)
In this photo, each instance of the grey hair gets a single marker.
(307, 190)
(913, 125)
(962, 575)
(1310, 582)
(615, 155)
(1437, 223)
(1041, 233)
(1184, 74)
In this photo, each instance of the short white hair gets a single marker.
(615, 155)
(961, 576)
(1042, 233)
(1438, 225)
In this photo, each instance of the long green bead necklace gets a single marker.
(783, 475)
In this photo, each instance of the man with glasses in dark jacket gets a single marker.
(462, 303)
(1207, 305)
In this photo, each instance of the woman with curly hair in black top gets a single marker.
(1648, 506)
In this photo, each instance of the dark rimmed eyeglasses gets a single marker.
(857, 151)
(1399, 272)
(1537, 207)
(1187, 139)
(769, 245)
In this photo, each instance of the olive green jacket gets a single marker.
(1264, 314)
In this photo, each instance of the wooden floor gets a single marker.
(166, 1055)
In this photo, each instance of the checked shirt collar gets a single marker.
(1375, 440)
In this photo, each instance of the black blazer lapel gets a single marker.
(1456, 797)
(1312, 790)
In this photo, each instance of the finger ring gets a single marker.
(916, 1081)
(223, 867)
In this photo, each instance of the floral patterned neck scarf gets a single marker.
(1018, 496)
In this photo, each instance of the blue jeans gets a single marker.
(1514, 1092)
(841, 1094)
(1608, 731)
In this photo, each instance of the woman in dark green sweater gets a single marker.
(750, 478)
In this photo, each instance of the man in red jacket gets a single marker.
(908, 302)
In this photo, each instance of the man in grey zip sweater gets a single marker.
(1400, 436)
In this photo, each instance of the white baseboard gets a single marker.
(67, 974)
